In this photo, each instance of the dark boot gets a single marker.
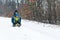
(14, 24)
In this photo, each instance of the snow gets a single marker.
(29, 30)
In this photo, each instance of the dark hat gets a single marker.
(16, 10)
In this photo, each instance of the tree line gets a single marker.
(47, 11)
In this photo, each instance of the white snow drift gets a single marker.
(29, 30)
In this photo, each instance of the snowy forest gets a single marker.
(46, 11)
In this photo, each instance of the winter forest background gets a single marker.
(47, 11)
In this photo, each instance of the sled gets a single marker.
(17, 25)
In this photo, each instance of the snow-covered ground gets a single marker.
(29, 30)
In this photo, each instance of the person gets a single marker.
(16, 18)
